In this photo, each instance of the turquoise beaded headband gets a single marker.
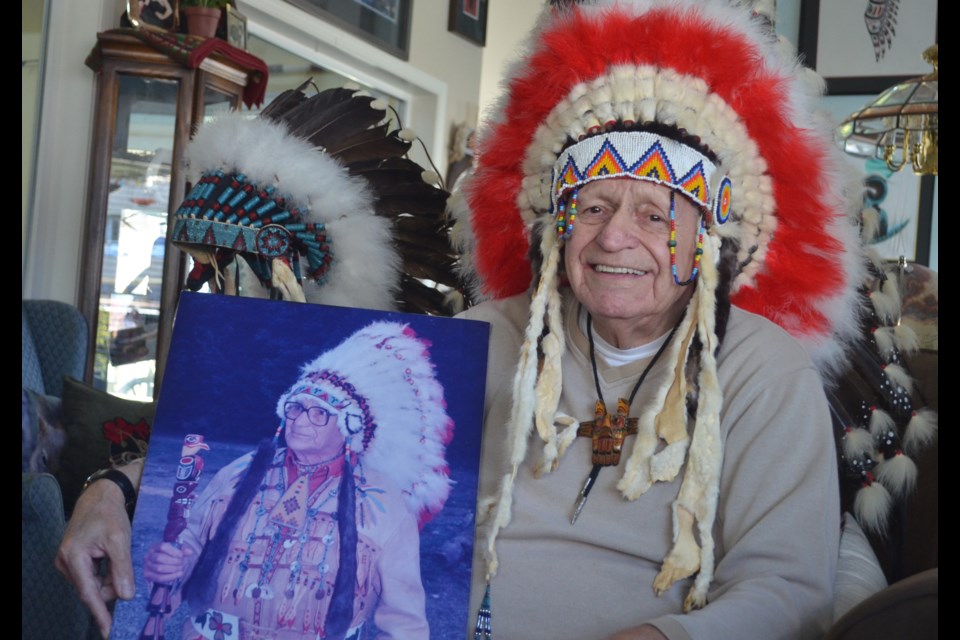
(231, 212)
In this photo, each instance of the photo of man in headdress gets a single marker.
(316, 532)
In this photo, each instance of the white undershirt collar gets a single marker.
(614, 357)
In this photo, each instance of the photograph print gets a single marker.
(153, 14)
(312, 473)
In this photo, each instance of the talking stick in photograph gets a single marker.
(188, 475)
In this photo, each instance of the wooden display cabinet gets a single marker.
(148, 105)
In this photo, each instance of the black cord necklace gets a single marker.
(608, 432)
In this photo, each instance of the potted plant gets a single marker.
(202, 16)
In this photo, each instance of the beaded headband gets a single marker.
(334, 390)
(642, 155)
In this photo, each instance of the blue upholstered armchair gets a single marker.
(54, 342)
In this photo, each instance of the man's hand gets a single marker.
(166, 563)
(100, 528)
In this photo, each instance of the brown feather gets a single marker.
(435, 242)
(285, 102)
(419, 224)
(317, 103)
(419, 298)
(343, 119)
(363, 138)
(378, 148)
(393, 206)
(437, 273)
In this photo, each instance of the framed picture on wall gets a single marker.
(384, 23)
(867, 46)
(153, 14)
(468, 18)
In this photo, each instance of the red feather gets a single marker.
(578, 47)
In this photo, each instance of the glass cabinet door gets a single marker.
(131, 279)
(148, 104)
(216, 102)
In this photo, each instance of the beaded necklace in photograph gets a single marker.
(277, 538)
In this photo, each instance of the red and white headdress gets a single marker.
(598, 85)
(708, 68)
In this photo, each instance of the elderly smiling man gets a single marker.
(662, 463)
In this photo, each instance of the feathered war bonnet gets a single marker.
(310, 194)
(391, 409)
(717, 76)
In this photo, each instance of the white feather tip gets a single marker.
(857, 442)
(906, 338)
(899, 376)
(881, 422)
(889, 287)
(872, 506)
(379, 105)
(884, 339)
(921, 430)
(887, 307)
(407, 134)
(869, 223)
(898, 474)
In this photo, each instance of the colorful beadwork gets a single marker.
(283, 533)
(640, 155)
(724, 193)
(672, 243)
(567, 215)
(230, 212)
(483, 630)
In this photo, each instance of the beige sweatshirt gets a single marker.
(778, 517)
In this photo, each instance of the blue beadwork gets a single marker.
(483, 629)
(672, 243)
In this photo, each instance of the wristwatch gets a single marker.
(120, 479)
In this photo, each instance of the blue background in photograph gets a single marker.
(231, 359)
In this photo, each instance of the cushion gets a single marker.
(906, 609)
(859, 575)
(102, 431)
(58, 334)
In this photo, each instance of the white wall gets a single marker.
(508, 23)
(55, 226)
(30, 47)
(446, 55)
